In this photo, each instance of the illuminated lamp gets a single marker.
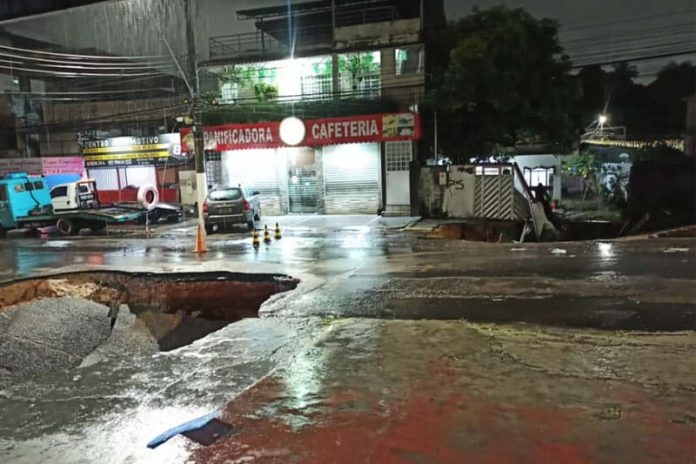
(292, 131)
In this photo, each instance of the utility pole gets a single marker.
(197, 128)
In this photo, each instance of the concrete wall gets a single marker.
(407, 89)
(372, 35)
(430, 193)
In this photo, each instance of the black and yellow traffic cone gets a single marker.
(255, 239)
(277, 234)
(266, 235)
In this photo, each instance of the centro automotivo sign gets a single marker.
(328, 131)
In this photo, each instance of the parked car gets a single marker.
(229, 206)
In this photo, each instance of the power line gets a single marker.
(95, 64)
(638, 58)
(85, 57)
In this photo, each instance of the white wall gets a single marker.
(541, 161)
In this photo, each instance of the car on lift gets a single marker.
(227, 206)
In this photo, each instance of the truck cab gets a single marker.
(75, 195)
(22, 195)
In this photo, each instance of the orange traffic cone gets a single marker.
(201, 246)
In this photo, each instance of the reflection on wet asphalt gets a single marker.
(115, 407)
(363, 385)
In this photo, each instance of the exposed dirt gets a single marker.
(176, 308)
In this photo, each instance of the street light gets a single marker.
(603, 118)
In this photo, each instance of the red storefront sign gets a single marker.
(330, 131)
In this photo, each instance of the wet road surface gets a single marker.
(323, 377)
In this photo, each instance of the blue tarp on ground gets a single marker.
(56, 179)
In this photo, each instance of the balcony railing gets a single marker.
(355, 17)
(261, 44)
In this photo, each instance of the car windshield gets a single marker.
(225, 194)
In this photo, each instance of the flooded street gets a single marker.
(392, 348)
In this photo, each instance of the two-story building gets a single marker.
(352, 71)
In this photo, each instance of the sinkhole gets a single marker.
(53, 323)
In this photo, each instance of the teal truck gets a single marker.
(27, 203)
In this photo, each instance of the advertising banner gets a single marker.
(158, 150)
(329, 131)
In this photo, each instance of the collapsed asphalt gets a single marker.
(333, 363)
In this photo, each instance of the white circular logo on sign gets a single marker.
(292, 131)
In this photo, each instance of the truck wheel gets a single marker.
(67, 227)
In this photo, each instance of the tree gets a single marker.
(587, 165)
(357, 66)
(507, 83)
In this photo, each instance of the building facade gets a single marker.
(355, 70)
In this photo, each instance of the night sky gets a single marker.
(603, 30)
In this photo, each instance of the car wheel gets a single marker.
(251, 225)
(209, 229)
(257, 216)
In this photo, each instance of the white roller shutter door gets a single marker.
(352, 179)
(256, 169)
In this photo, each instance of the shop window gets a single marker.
(3, 193)
(28, 186)
(409, 60)
(38, 185)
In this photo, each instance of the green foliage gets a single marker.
(585, 164)
(234, 75)
(507, 83)
(357, 66)
(325, 68)
(265, 92)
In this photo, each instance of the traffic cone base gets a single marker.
(201, 245)
(255, 239)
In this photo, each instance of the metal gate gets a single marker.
(494, 197)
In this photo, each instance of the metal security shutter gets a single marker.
(258, 170)
(352, 178)
(106, 179)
